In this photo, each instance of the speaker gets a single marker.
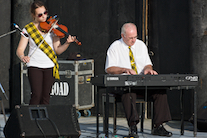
(51, 121)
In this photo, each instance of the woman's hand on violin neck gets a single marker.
(70, 39)
(59, 49)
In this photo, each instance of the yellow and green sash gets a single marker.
(37, 37)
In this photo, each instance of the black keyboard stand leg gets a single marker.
(142, 117)
(182, 112)
(106, 113)
(115, 116)
(97, 111)
(152, 115)
(195, 113)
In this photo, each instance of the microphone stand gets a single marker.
(0, 83)
(8, 33)
(2, 104)
(2, 89)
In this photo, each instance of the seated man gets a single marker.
(129, 55)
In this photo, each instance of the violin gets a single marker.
(59, 29)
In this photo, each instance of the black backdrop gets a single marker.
(97, 24)
(170, 41)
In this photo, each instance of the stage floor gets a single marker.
(88, 128)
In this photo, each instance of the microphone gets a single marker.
(55, 16)
(16, 26)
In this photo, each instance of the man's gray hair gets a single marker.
(123, 28)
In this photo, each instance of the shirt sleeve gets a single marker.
(24, 33)
(110, 58)
(147, 57)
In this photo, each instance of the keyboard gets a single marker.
(107, 80)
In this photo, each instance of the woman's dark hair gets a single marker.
(36, 4)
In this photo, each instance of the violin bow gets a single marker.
(44, 38)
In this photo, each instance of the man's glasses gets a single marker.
(131, 38)
(40, 15)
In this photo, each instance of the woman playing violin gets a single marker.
(41, 62)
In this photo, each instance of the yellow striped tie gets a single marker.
(132, 60)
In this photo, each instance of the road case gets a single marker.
(73, 88)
